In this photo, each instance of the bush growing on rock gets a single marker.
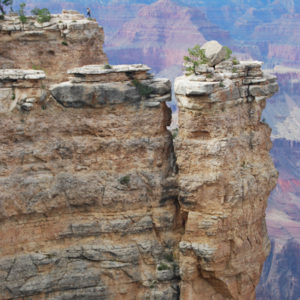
(142, 89)
(43, 15)
(228, 52)
(195, 58)
(22, 17)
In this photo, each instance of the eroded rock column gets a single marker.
(225, 177)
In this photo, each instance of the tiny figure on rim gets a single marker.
(88, 12)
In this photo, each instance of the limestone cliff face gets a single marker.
(93, 204)
(68, 40)
(225, 177)
(87, 190)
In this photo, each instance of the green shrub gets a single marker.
(125, 180)
(64, 43)
(234, 70)
(195, 58)
(209, 76)
(13, 95)
(142, 89)
(107, 67)
(221, 84)
(43, 15)
(163, 267)
(22, 17)
(169, 257)
(228, 52)
(235, 61)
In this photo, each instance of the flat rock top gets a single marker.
(105, 69)
(67, 20)
(18, 74)
(252, 63)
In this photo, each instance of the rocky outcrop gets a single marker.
(68, 40)
(225, 175)
(92, 202)
(87, 188)
(160, 35)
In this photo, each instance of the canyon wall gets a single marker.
(94, 204)
(68, 40)
(88, 193)
(225, 176)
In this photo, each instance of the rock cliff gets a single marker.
(67, 40)
(225, 175)
(94, 204)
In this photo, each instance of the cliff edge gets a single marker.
(99, 201)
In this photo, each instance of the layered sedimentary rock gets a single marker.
(68, 40)
(92, 202)
(87, 188)
(225, 175)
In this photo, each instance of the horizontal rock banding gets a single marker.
(88, 186)
(225, 177)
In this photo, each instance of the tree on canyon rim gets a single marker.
(5, 3)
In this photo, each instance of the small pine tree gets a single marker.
(195, 58)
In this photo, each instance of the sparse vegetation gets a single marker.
(13, 95)
(195, 58)
(107, 67)
(22, 17)
(221, 84)
(169, 257)
(65, 43)
(234, 70)
(35, 67)
(43, 14)
(228, 52)
(174, 133)
(235, 61)
(142, 89)
(125, 180)
(209, 76)
(163, 267)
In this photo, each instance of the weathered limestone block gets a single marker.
(68, 40)
(88, 192)
(20, 89)
(215, 52)
(225, 175)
